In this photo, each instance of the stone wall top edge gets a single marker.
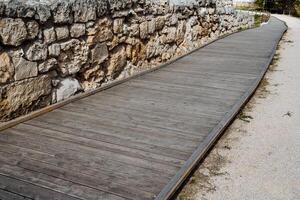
(43, 9)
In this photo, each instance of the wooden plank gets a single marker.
(30, 190)
(126, 91)
(6, 195)
(102, 146)
(208, 76)
(94, 182)
(22, 157)
(39, 173)
(238, 77)
(184, 111)
(215, 93)
(218, 61)
(43, 143)
(222, 54)
(168, 105)
(159, 137)
(111, 139)
(138, 107)
(220, 67)
(163, 78)
(37, 185)
(139, 119)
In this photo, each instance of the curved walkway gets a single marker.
(259, 159)
(139, 139)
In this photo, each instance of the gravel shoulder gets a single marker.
(258, 157)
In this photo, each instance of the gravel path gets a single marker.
(259, 156)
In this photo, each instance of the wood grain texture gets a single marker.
(139, 139)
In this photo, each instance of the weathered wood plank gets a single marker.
(12, 155)
(140, 119)
(137, 107)
(6, 195)
(182, 112)
(30, 190)
(36, 185)
(100, 145)
(168, 105)
(190, 81)
(236, 77)
(159, 137)
(109, 138)
(131, 92)
(43, 143)
(218, 94)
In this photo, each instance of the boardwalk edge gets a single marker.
(199, 154)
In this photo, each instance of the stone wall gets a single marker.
(53, 49)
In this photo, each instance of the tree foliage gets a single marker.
(279, 6)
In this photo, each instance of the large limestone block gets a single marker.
(102, 31)
(73, 55)
(47, 65)
(92, 78)
(37, 51)
(99, 53)
(117, 61)
(77, 30)
(169, 35)
(118, 25)
(67, 88)
(6, 68)
(62, 12)
(62, 32)
(25, 69)
(23, 96)
(84, 10)
(144, 30)
(12, 31)
(49, 35)
(32, 29)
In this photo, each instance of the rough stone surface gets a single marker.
(6, 68)
(117, 61)
(49, 35)
(47, 65)
(84, 10)
(62, 32)
(118, 25)
(73, 55)
(67, 87)
(62, 12)
(92, 77)
(144, 30)
(12, 31)
(96, 42)
(101, 32)
(22, 97)
(37, 51)
(99, 53)
(54, 50)
(32, 29)
(25, 69)
(77, 30)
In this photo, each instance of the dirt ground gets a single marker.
(259, 155)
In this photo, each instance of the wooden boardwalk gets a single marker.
(139, 139)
